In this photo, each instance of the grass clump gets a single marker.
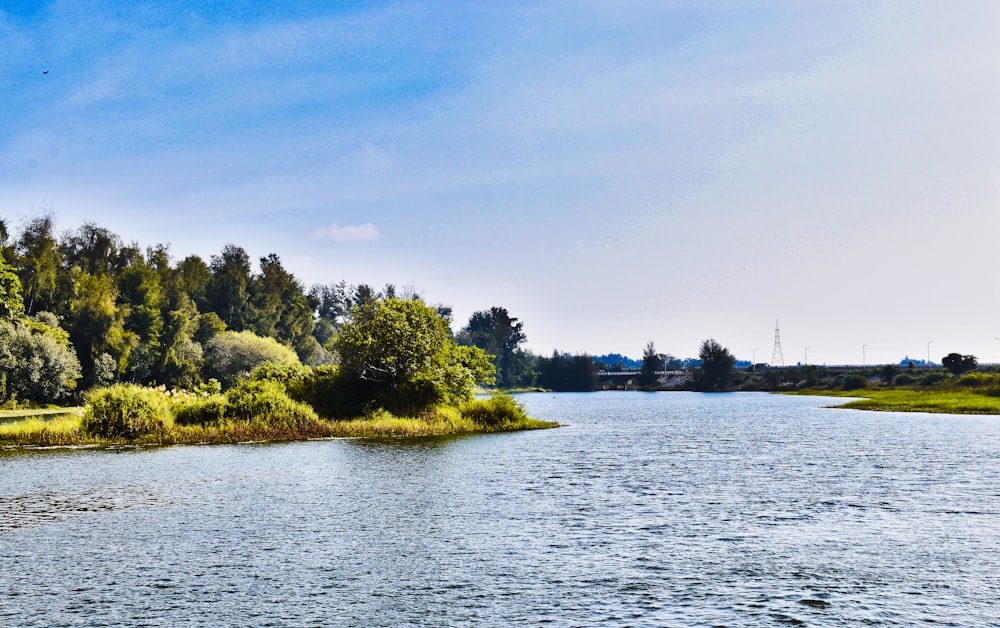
(499, 410)
(266, 402)
(126, 411)
(38, 431)
(200, 410)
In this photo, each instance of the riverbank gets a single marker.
(913, 400)
(65, 429)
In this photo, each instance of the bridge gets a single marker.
(636, 372)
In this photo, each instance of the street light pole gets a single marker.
(929, 343)
(753, 362)
(864, 357)
(806, 362)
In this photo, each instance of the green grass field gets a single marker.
(950, 401)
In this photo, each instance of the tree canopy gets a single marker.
(500, 335)
(716, 369)
(958, 364)
(651, 362)
(402, 354)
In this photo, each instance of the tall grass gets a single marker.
(944, 401)
(64, 429)
(258, 411)
(949, 400)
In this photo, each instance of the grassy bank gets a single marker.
(67, 427)
(950, 401)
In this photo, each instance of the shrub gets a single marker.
(281, 373)
(933, 378)
(497, 410)
(231, 355)
(331, 394)
(266, 402)
(855, 382)
(976, 380)
(126, 411)
(200, 410)
(905, 380)
(36, 363)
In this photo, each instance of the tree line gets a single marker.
(82, 308)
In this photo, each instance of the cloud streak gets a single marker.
(346, 234)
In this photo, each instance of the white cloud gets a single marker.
(348, 233)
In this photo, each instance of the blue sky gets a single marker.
(610, 172)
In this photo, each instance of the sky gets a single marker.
(612, 173)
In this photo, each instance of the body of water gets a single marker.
(665, 509)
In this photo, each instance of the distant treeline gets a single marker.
(82, 308)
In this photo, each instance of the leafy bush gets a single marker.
(497, 410)
(933, 378)
(231, 355)
(976, 380)
(200, 410)
(282, 373)
(266, 402)
(905, 380)
(126, 411)
(36, 363)
(336, 395)
(855, 382)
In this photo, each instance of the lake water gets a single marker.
(664, 509)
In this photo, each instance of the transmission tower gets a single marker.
(777, 359)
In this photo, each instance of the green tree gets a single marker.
(332, 303)
(194, 278)
(140, 297)
(958, 364)
(11, 301)
(180, 358)
(400, 353)
(37, 363)
(39, 261)
(229, 291)
(281, 307)
(567, 373)
(500, 335)
(651, 362)
(231, 355)
(94, 250)
(97, 329)
(889, 373)
(716, 369)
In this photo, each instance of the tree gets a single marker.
(889, 373)
(231, 355)
(229, 290)
(94, 250)
(180, 357)
(651, 362)
(958, 364)
(400, 356)
(139, 297)
(498, 334)
(37, 363)
(194, 278)
(97, 329)
(11, 302)
(281, 307)
(566, 373)
(39, 261)
(716, 366)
